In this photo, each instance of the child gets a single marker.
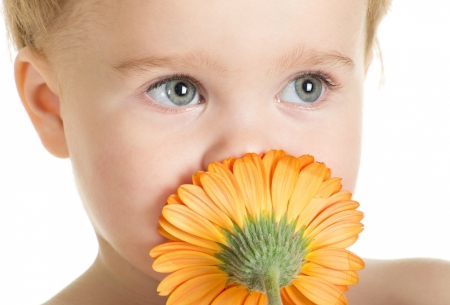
(142, 94)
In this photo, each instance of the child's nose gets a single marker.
(238, 129)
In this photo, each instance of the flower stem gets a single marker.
(272, 286)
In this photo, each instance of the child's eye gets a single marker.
(305, 89)
(174, 92)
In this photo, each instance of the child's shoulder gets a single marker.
(87, 289)
(403, 281)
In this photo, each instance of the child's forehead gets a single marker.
(251, 27)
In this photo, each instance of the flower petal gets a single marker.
(336, 277)
(174, 199)
(270, 161)
(315, 206)
(251, 183)
(342, 288)
(285, 298)
(176, 260)
(229, 163)
(198, 201)
(283, 183)
(327, 174)
(200, 290)
(253, 298)
(240, 202)
(336, 233)
(336, 258)
(305, 160)
(320, 291)
(297, 297)
(344, 243)
(308, 183)
(263, 300)
(266, 203)
(234, 295)
(190, 222)
(344, 216)
(177, 246)
(166, 234)
(338, 197)
(196, 178)
(185, 236)
(335, 208)
(177, 278)
(224, 196)
(329, 187)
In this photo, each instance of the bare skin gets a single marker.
(130, 149)
(390, 282)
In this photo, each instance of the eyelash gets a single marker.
(324, 77)
(195, 82)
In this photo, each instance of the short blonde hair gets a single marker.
(33, 22)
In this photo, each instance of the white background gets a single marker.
(404, 184)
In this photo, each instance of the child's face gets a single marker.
(131, 150)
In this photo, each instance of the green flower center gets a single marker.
(265, 255)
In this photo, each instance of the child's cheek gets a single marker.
(125, 169)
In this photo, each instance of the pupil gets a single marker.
(308, 86)
(181, 89)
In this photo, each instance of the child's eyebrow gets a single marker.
(299, 57)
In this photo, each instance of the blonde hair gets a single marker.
(32, 23)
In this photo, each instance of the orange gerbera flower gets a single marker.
(261, 229)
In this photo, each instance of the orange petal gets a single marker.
(174, 199)
(224, 196)
(311, 210)
(320, 291)
(329, 187)
(177, 278)
(253, 298)
(234, 295)
(285, 298)
(240, 202)
(187, 237)
(338, 197)
(344, 243)
(263, 299)
(342, 288)
(229, 163)
(176, 246)
(251, 183)
(167, 234)
(177, 260)
(196, 178)
(327, 174)
(297, 297)
(270, 161)
(308, 184)
(305, 160)
(191, 222)
(335, 234)
(337, 277)
(330, 211)
(344, 216)
(199, 290)
(283, 183)
(336, 258)
(198, 201)
(265, 204)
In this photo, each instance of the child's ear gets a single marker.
(39, 93)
